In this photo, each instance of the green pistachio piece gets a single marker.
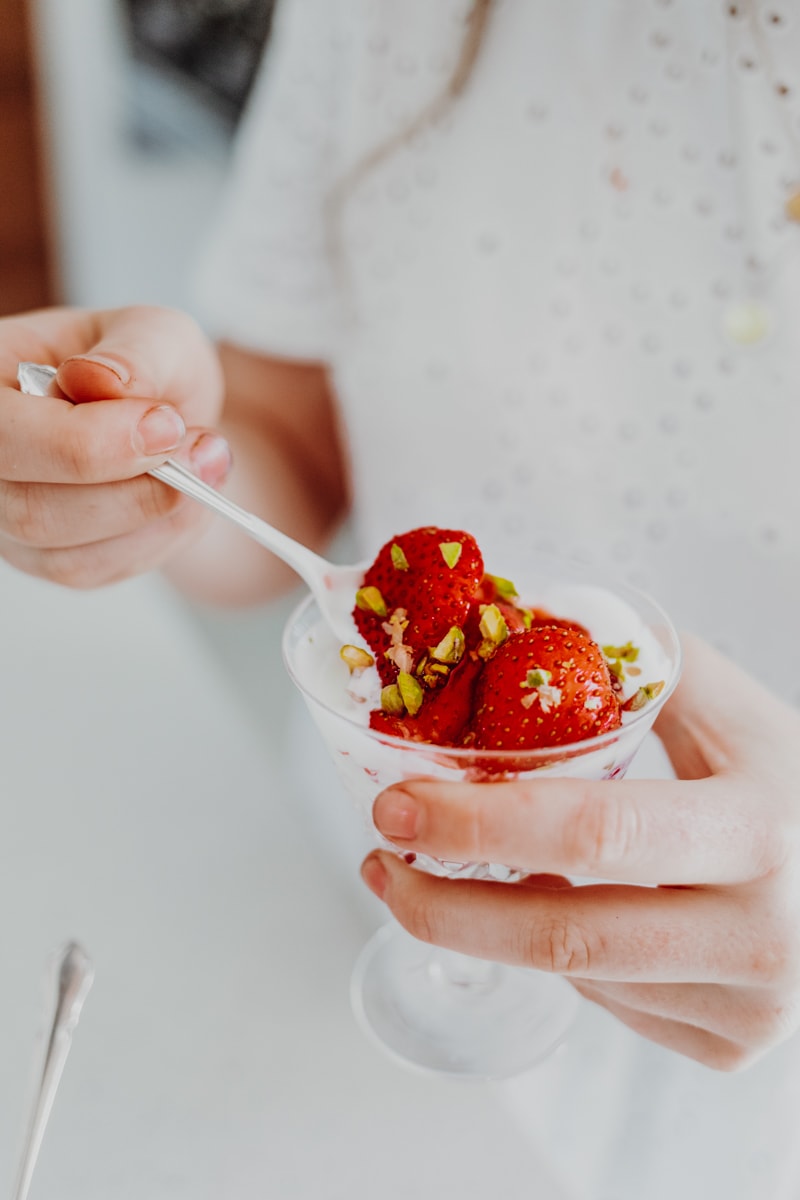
(493, 624)
(644, 695)
(399, 559)
(627, 653)
(356, 658)
(537, 678)
(411, 692)
(369, 599)
(392, 701)
(451, 552)
(505, 588)
(451, 648)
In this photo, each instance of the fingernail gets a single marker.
(111, 362)
(211, 458)
(396, 814)
(160, 429)
(375, 875)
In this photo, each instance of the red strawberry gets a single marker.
(419, 587)
(547, 687)
(444, 714)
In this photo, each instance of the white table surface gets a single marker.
(217, 1056)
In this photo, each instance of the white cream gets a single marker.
(610, 621)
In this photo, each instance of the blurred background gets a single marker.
(116, 122)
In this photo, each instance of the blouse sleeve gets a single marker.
(265, 280)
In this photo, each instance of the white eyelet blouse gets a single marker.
(564, 316)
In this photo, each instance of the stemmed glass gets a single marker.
(436, 1009)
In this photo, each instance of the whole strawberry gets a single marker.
(419, 588)
(546, 687)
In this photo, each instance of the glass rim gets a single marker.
(469, 754)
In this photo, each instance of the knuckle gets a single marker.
(75, 457)
(560, 946)
(480, 828)
(775, 960)
(26, 517)
(603, 832)
(156, 499)
(417, 918)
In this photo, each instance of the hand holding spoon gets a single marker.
(73, 978)
(333, 587)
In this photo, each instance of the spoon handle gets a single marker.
(73, 978)
(35, 379)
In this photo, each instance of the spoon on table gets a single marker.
(73, 976)
(333, 587)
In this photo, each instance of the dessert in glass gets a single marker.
(459, 675)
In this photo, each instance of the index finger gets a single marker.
(631, 831)
(44, 439)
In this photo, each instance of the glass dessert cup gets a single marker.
(435, 1009)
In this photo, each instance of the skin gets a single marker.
(76, 506)
(707, 963)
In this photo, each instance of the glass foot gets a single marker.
(450, 1014)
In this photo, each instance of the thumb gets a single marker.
(147, 352)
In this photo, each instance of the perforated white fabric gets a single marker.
(526, 309)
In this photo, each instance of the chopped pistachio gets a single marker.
(644, 695)
(451, 647)
(537, 678)
(527, 618)
(392, 701)
(411, 692)
(369, 599)
(399, 559)
(617, 669)
(356, 658)
(493, 624)
(627, 653)
(451, 552)
(505, 587)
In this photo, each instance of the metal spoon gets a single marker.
(73, 976)
(333, 587)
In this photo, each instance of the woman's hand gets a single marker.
(76, 504)
(708, 962)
